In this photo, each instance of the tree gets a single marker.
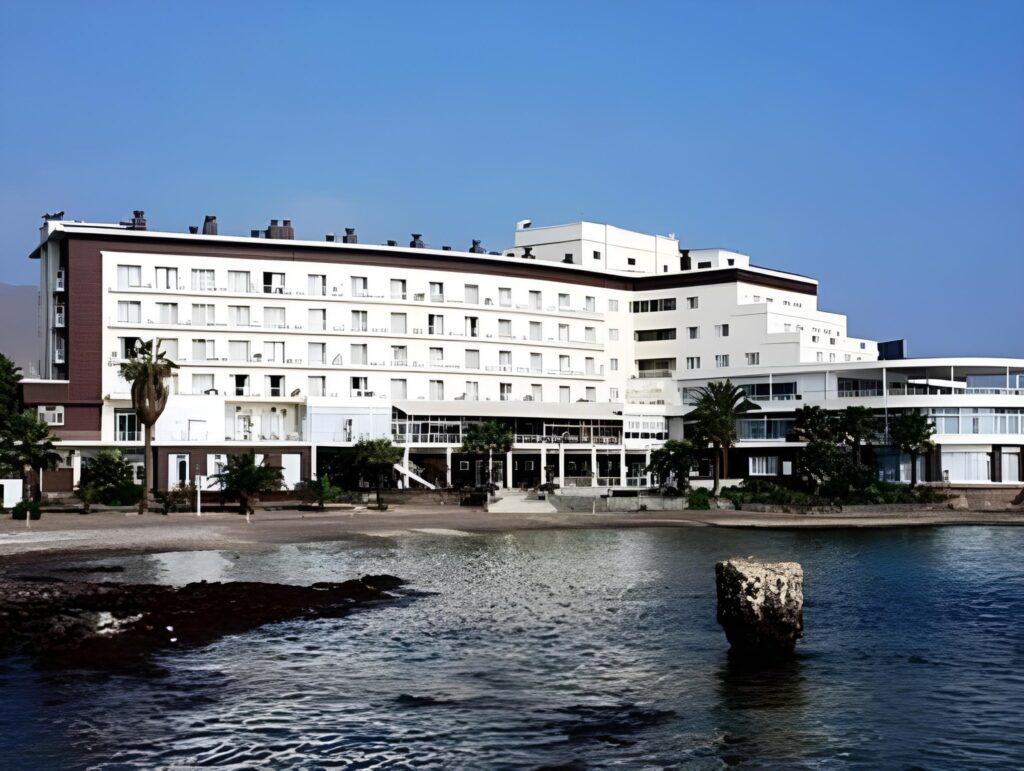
(320, 491)
(28, 446)
(911, 433)
(147, 372)
(10, 376)
(376, 457)
(490, 437)
(716, 409)
(673, 460)
(859, 426)
(111, 477)
(244, 478)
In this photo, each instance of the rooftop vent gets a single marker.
(417, 241)
(528, 253)
(283, 231)
(210, 225)
(137, 222)
(56, 216)
(523, 224)
(329, 238)
(446, 248)
(193, 229)
(476, 248)
(392, 243)
(496, 254)
(254, 233)
(350, 236)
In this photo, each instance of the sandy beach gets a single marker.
(111, 534)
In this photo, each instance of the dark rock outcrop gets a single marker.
(106, 625)
(760, 606)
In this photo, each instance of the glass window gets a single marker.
(129, 276)
(129, 312)
(238, 281)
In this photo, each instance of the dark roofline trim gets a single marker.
(414, 259)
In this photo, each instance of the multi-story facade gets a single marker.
(585, 339)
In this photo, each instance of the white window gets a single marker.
(316, 284)
(238, 281)
(753, 359)
(399, 389)
(317, 385)
(273, 351)
(613, 365)
(563, 364)
(167, 313)
(693, 362)
(129, 312)
(437, 390)
(129, 276)
(721, 330)
(166, 278)
(273, 283)
(504, 297)
(563, 394)
(316, 352)
(692, 303)
(435, 324)
(398, 323)
(472, 294)
(504, 391)
(722, 360)
(472, 359)
(400, 355)
(436, 355)
(472, 390)
(273, 318)
(202, 280)
(437, 291)
(357, 353)
(128, 346)
(590, 334)
(693, 333)
(591, 394)
(238, 350)
(563, 332)
(398, 289)
(535, 301)
(613, 394)
(472, 326)
(52, 416)
(202, 383)
(537, 392)
(819, 356)
(240, 384)
(239, 315)
(202, 314)
(764, 465)
(613, 306)
(360, 287)
(274, 385)
(505, 361)
(563, 302)
(536, 362)
(169, 347)
(589, 365)
(504, 328)
(360, 321)
(316, 319)
(613, 334)
(536, 331)
(590, 304)
(202, 350)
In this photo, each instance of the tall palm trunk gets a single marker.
(147, 466)
(26, 483)
(913, 469)
(717, 471)
(725, 462)
(490, 463)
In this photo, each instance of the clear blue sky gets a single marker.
(876, 146)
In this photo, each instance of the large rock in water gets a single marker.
(760, 605)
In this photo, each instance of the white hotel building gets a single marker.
(585, 339)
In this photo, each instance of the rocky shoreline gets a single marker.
(82, 624)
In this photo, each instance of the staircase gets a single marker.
(412, 473)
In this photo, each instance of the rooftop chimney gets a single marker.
(137, 222)
(193, 229)
(528, 253)
(417, 241)
(392, 243)
(350, 236)
(254, 233)
(329, 238)
(210, 225)
(287, 229)
(57, 216)
(446, 248)
(283, 231)
(476, 248)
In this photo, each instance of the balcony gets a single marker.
(654, 373)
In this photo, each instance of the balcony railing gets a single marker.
(652, 373)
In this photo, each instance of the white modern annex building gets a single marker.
(585, 339)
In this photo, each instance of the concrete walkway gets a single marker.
(516, 502)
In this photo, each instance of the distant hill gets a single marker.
(19, 326)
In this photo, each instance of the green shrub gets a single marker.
(111, 478)
(699, 498)
(25, 510)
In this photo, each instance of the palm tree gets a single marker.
(911, 433)
(377, 457)
(28, 445)
(243, 477)
(717, 407)
(490, 437)
(860, 426)
(148, 372)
